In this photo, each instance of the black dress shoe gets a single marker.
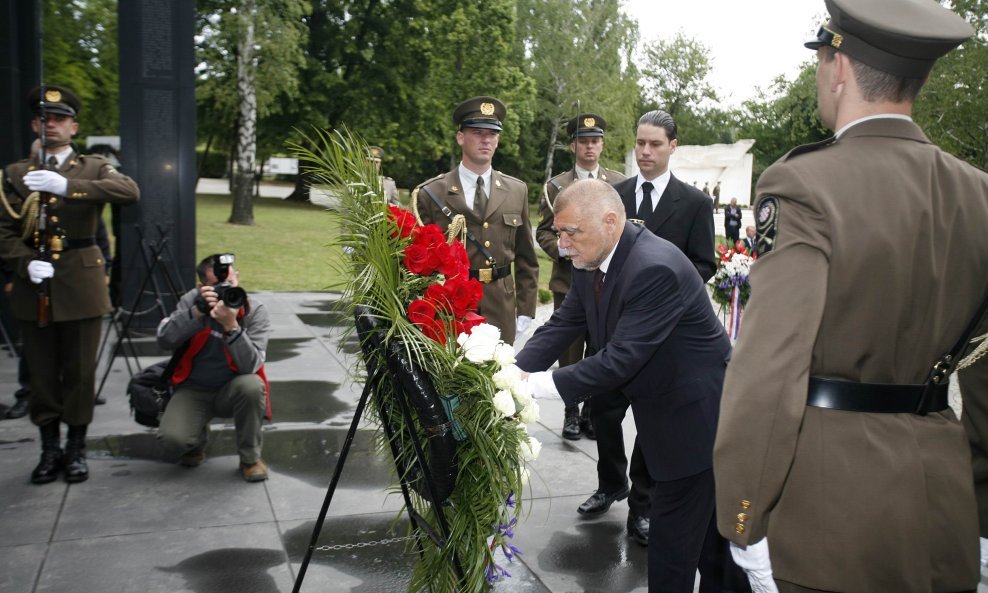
(599, 502)
(48, 468)
(19, 409)
(638, 528)
(571, 428)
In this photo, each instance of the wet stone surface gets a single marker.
(284, 348)
(306, 401)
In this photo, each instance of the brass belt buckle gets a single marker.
(485, 275)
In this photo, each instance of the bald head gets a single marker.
(589, 219)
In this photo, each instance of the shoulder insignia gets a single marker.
(767, 220)
(507, 177)
(428, 181)
(806, 148)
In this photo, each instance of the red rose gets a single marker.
(423, 314)
(418, 260)
(469, 321)
(458, 263)
(464, 294)
(403, 219)
(438, 294)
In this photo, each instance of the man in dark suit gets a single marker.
(682, 215)
(657, 341)
(749, 240)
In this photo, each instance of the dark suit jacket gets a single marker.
(658, 341)
(684, 217)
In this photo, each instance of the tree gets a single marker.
(951, 108)
(675, 75)
(80, 52)
(254, 81)
(578, 52)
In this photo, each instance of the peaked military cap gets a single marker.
(375, 152)
(480, 112)
(901, 37)
(58, 99)
(586, 125)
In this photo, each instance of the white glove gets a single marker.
(40, 270)
(47, 181)
(522, 323)
(542, 385)
(984, 553)
(756, 564)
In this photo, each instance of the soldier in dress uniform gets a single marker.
(388, 186)
(586, 132)
(68, 286)
(839, 465)
(494, 209)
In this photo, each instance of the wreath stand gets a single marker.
(404, 377)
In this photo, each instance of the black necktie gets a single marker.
(598, 285)
(53, 163)
(589, 175)
(645, 210)
(480, 199)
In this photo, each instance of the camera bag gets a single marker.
(150, 389)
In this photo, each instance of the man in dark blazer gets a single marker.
(658, 342)
(682, 215)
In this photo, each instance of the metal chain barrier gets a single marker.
(383, 542)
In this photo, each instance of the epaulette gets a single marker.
(428, 181)
(805, 148)
(510, 178)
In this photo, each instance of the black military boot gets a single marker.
(51, 455)
(571, 423)
(76, 469)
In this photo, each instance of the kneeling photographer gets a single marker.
(220, 372)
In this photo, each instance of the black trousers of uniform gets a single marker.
(607, 411)
(683, 538)
(62, 361)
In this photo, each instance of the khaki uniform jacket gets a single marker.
(505, 231)
(879, 257)
(547, 238)
(78, 288)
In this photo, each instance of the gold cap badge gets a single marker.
(487, 108)
(589, 122)
(53, 96)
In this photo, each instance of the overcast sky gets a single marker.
(751, 42)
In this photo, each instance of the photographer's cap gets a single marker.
(58, 100)
(586, 125)
(480, 112)
(901, 37)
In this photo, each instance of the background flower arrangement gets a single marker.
(415, 282)
(731, 288)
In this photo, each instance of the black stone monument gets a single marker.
(18, 74)
(156, 242)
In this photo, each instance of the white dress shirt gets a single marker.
(659, 185)
(584, 174)
(469, 181)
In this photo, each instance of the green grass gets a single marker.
(286, 250)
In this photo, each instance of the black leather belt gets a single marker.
(491, 274)
(880, 398)
(78, 243)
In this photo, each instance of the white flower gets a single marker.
(479, 346)
(525, 475)
(522, 392)
(530, 413)
(504, 403)
(530, 449)
(507, 377)
(504, 354)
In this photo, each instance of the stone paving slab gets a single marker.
(143, 524)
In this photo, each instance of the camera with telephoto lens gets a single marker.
(233, 297)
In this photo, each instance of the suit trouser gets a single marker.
(191, 409)
(607, 411)
(61, 359)
(683, 538)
